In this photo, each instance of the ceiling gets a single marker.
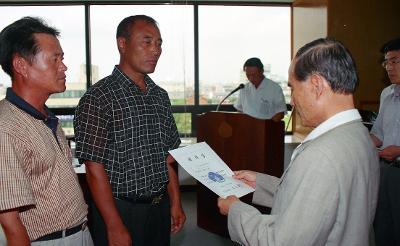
(142, 1)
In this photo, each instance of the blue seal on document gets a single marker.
(216, 177)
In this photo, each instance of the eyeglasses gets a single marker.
(391, 62)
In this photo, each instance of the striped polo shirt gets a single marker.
(36, 174)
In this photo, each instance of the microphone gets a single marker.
(241, 86)
(290, 118)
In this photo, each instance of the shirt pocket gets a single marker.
(265, 107)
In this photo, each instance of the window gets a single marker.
(197, 74)
(175, 68)
(67, 123)
(72, 41)
(229, 35)
(184, 123)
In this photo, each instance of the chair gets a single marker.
(368, 118)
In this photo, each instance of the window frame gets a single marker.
(194, 109)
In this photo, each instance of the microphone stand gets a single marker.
(241, 86)
(290, 118)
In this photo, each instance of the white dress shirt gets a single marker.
(387, 125)
(262, 102)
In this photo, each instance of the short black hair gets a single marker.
(18, 38)
(253, 62)
(123, 29)
(330, 59)
(391, 45)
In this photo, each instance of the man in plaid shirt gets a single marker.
(124, 129)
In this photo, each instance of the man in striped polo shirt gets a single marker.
(41, 202)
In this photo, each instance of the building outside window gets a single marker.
(175, 68)
(70, 21)
(227, 36)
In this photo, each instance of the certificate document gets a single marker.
(201, 162)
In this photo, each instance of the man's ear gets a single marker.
(121, 43)
(20, 65)
(318, 84)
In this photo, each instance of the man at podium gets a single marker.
(261, 98)
(328, 193)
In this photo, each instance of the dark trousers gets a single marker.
(148, 224)
(387, 215)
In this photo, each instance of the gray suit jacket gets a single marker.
(327, 195)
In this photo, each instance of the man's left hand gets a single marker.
(390, 152)
(225, 204)
(178, 218)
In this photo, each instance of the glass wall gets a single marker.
(72, 41)
(229, 35)
(196, 73)
(175, 68)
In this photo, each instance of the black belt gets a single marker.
(59, 234)
(393, 163)
(155, 199)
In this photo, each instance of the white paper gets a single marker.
(201, 162)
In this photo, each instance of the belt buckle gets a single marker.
(84, 225)
(157, 199)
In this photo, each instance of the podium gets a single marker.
(242, 142)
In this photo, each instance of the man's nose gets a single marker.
(64, 67)
(156, 49)
(291, 102)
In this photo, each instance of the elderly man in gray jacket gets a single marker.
(328, 194)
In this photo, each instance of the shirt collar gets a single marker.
(51, 120)
(396, 90)
(25, 106)
(127, 82)
(334, 121)
(262, 84)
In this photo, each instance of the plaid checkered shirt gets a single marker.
(128, 131)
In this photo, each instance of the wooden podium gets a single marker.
(242, 142)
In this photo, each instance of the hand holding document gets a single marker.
(201, 162)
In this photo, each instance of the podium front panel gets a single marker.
(243, 143)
